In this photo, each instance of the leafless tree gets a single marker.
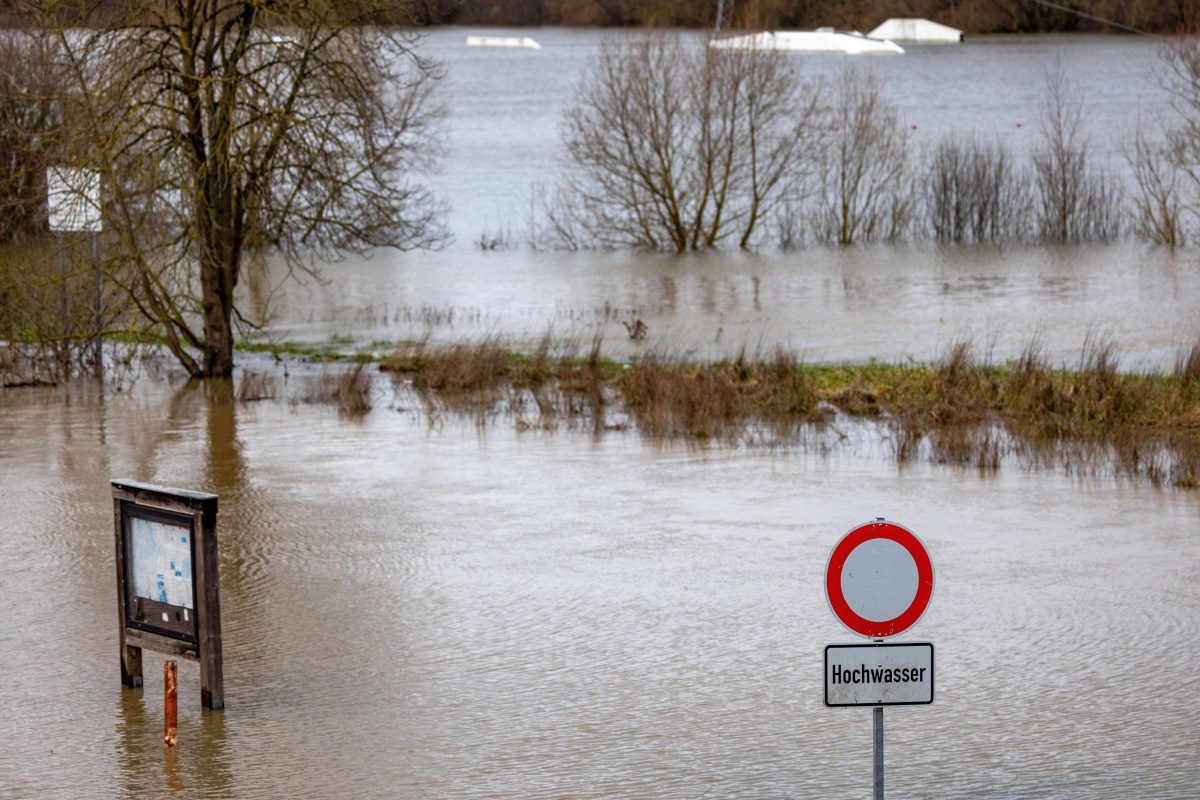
(1076, 201)
(974, 192)
(1158, 201)
(223, 127)
(31, 122)
(864, 193)
(1169, 176)
(675, 147)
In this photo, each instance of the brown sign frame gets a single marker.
(197, 639)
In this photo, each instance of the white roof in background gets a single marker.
(503, 41)
(908, 29)
(822, 40)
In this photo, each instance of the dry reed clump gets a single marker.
(452, 368)
(1187, 367)
(951, 405)
(476, 377)
(348, 389)
(1088, 420)
(460, 377)
(683, 401)
(255, 386)
(719, 401)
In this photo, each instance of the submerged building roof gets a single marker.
(822, 40)
(910, 29)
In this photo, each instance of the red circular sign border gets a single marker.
(833, 579)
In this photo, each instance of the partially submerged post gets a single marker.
(167, 581)
(170, 702)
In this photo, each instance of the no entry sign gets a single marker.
(879, 579)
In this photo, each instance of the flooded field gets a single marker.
(826, 305)
(434, 608)
(454, 613)
(503, 151)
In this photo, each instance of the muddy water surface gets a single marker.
(439, 612)
(825, 305)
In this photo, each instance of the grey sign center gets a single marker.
(879, 580)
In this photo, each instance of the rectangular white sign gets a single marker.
(73, 196)
(878, 674)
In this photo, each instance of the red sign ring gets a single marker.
(833, 579)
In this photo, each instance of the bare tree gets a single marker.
(223, 127)
(30, 127)
(1175, 170)
(1076, 201)
(975, 193)
(1158, 200)
(672, 147)
(865, 195)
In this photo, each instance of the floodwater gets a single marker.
(417, 612)
(502, 149)
(430, 609)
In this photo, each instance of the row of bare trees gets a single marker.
(681, 147)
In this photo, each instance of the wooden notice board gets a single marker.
(167, 581)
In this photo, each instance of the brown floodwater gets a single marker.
(428, 608)
(417, 610)
(824, 304)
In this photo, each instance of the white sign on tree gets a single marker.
(73, 197)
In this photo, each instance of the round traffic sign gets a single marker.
(879, 579)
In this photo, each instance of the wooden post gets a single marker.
(170, 703)
(208, 615)
(131, 656)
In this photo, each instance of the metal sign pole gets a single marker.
(878, 752)
(878, 749)
(62, 282)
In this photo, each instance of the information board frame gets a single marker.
(133, 619)
(197, 513)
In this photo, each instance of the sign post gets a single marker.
(167, 581)
(879, 580)
(73, 200)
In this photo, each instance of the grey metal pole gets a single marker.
(720, 14)
(99, 344)
(62, 282)
(878, 752)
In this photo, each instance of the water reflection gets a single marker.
(226, 468)
(197, 767)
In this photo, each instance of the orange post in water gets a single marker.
(170, 705)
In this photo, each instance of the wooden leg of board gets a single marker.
(131, 666)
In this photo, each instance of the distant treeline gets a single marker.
(972, 16)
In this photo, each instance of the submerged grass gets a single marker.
(957, 410)
(348, 389)
(960, 409)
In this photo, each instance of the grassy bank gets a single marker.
(957, 410)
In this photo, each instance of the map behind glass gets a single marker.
(162, 562)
